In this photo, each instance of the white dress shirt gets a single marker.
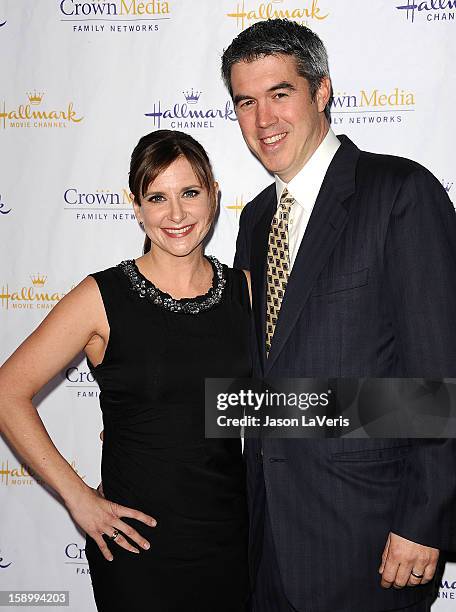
(304, 187)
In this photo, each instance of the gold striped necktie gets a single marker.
(278, 264)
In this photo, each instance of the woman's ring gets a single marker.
(116, 533)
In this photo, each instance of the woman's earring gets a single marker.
(141, 224)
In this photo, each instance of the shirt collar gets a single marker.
(304, 187)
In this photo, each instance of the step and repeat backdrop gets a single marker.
(80, 83)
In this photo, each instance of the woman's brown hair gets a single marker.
(158, 150)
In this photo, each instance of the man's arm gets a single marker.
(420, 254)
(243, 241)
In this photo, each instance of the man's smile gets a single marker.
(269, 140)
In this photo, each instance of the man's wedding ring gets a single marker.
(416, 575)
(116, 533)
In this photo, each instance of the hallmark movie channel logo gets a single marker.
(4, 209)
(12, 474)
(191, 113)
(75, 556)
(113, 17)
(4, 564)
(35, 113)
(17, 475)
(99, 205)
(81, 382)
(31, 296)
(430, 11)
(372, 107)
(305, 13)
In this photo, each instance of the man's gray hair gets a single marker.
(280, 37)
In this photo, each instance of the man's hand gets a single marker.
(401, 557)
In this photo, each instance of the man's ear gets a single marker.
(323, 94)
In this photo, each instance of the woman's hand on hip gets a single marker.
(97, 516)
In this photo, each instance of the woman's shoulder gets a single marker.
(109, 274)
(235, 273)
(239, 282)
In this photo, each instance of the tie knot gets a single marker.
(286, 201)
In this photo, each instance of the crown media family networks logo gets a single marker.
(119, 16)
(33, 296)
(372, 107)
(305, 13)
(4, 209)
(75, 556)
(100, 205)
(190, 113)
(36, 114)
(81, 382)
(430, 10)
(4, 564)
(447, 589)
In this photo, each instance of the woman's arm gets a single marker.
(77, 322)
(249, 284)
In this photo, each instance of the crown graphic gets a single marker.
(240, 203)
(38, 279)
(447, 185)
(192, 96)
(35, 97)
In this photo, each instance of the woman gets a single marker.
(170, 533)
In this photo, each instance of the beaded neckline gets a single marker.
(146, 289)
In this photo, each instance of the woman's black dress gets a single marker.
(155, 456)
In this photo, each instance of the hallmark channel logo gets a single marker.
(22, 474)
(81, 381)
(447, 589)
(237, 205)
(119, 16)
(3, 206)
(372, 107)
(100, 205)
(3, 563)
(302, 12)
(35, 114)
(33, 296)
(431, 10)
(75, 555)
(447, 185)
(189, 113)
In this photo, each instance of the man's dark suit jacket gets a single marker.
(372, 293)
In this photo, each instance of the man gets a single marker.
(353, 264)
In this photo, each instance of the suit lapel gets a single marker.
(259, 253)
(324, 228)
